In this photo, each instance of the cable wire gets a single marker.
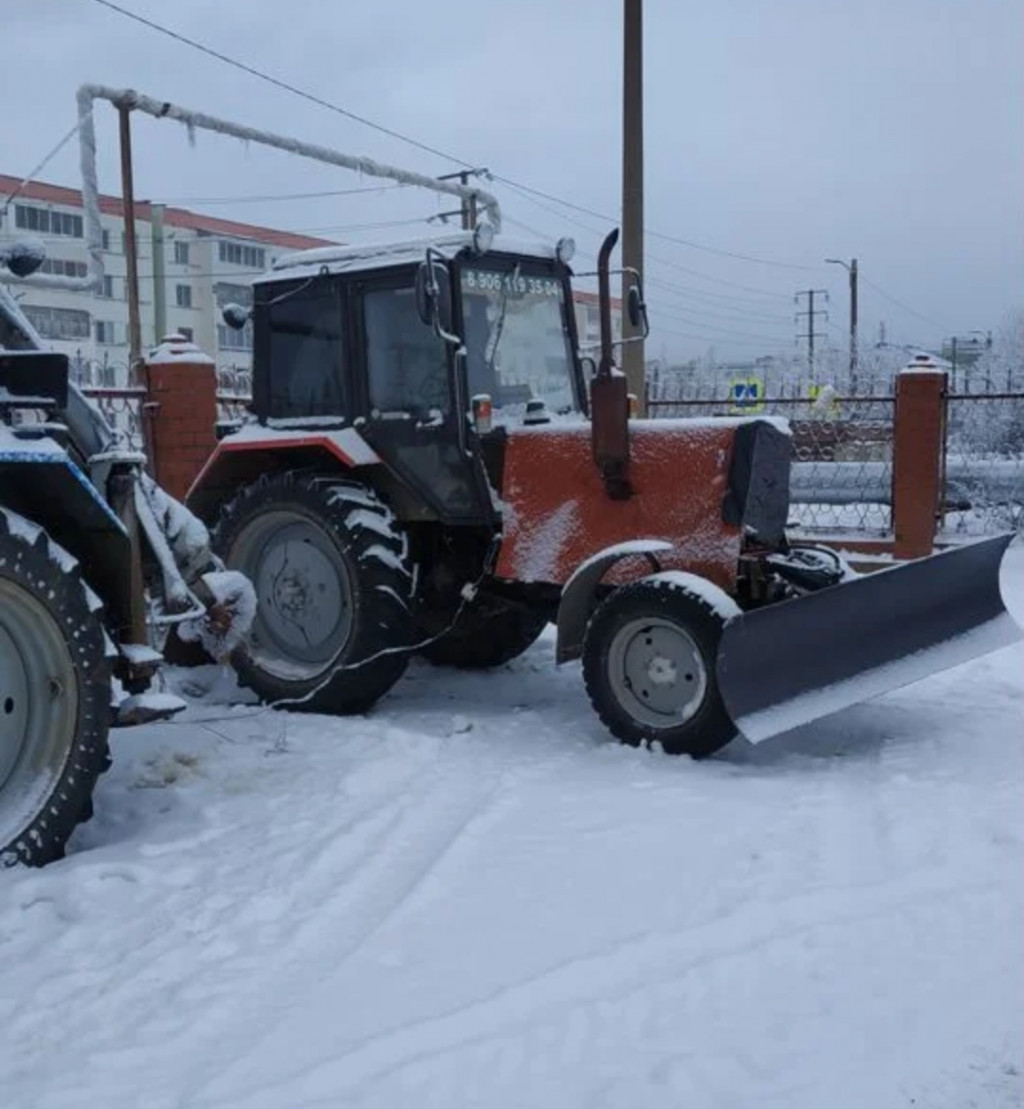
(313, 99)
(898, 303)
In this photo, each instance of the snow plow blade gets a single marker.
(793, 662)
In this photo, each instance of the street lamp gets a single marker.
(851, 269)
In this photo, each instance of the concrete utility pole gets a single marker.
(159, 274)
(851, 269)
(811, 313)
(633, 186)
(124, 111)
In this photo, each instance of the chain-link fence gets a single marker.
(842, 451)
(984, 461)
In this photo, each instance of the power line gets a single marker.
(725, 311)
(287, 87)
(653, 234)
(716, 338)
(253, 72)
(899, 303)
(727, 331)
(525, 192)
(42, 165)
(250, 199)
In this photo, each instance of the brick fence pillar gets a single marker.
(181, 407)
(918, 440)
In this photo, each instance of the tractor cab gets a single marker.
(396, 342)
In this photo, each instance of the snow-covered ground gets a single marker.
(474, 898)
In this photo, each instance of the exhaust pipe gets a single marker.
(609, 398)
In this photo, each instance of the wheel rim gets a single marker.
(304, 594)
(38, 705)
(657, 672)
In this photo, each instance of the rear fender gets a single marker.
(241, 458)
(578, 592)
(45, 486)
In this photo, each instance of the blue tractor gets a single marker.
(93, 556)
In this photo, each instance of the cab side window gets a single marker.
(407, 364)
(306, 353)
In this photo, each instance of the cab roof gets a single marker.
(348, 259)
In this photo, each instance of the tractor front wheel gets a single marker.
(649, 667)
(333, 579)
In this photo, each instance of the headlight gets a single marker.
(565, 249)
(483, 236)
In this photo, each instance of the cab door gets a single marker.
(410, 401)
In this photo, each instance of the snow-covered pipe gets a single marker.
(93, 280)
(162, 109)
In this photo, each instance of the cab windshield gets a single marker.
(518, 345)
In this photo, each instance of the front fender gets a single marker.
(578, 592)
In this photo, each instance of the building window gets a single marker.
(106, 333)
(227, 293)
(57, 323)
(108, 287)
(181, 253)
(253, 257)
(62, 267)
(230, 339)
(51, 223)
(183, 296)
(186, 333)
(105, 235)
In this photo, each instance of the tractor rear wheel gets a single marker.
(334, 583)
(488, 633)
(54, 695)
(649, 659)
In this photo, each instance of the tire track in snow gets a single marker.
(438, 831)
(647, 962)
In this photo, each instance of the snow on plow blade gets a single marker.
(790, 663)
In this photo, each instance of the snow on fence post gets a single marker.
(918, 439)
(181, 407)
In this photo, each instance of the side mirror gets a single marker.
(235, 316)
(636, 307)
(434, 298)
(424, 296)
(23, 257)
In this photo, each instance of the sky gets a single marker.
(786, 132)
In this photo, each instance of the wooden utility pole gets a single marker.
(851, 269)
(853, 326)
(633, 186)
(468, 212)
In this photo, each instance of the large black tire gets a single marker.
(489, 632)
(54, 695)
(649, 659)
(334, 586)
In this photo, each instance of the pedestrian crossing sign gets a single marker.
(747, 395)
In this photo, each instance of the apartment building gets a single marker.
(207, 262)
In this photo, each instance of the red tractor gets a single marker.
(433, 468)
